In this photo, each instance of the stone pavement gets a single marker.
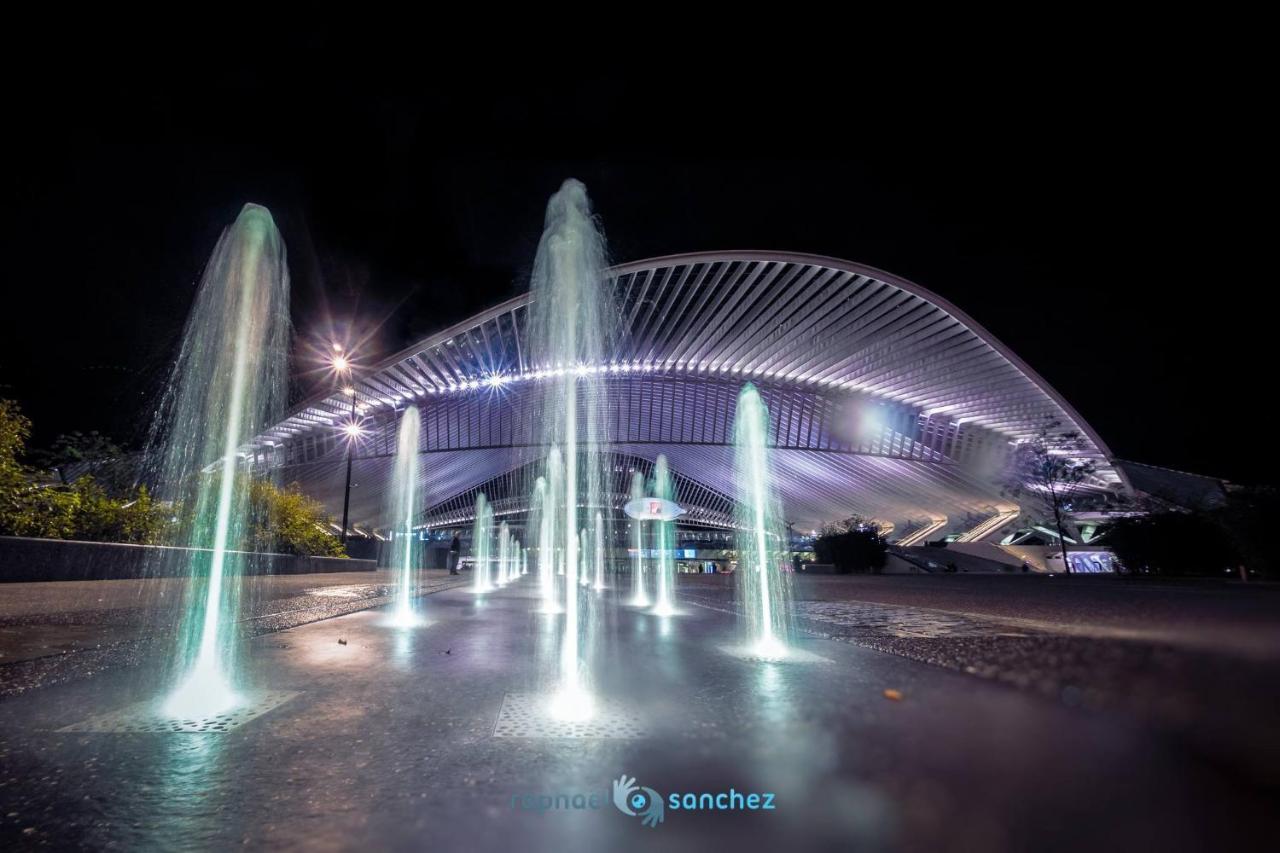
(434, 738)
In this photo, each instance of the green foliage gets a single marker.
(25, 509)
(89, 452)
(853, 545)
(99, 517)
(14, 431)
(284, 519)
(289, 522)
(31, 510)
(81, 510)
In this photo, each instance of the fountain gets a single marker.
(599, 584)
(665, 530)
(570, 306)
(504, 555)
(404, 507)
(639, 595)
(544, 504)
(480, 546)
(761, 579)
(228, 383)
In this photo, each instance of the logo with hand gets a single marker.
(632, 800)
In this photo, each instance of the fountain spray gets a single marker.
(480, 546)
(639, 595)
(404, 508)
(228, 384)
(761, 581)
(570, 306)
(665, 529)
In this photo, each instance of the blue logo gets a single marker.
(632, 800)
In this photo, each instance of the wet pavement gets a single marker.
(58, 631)
(1210, 615)
(1187, 671)
(424, 738)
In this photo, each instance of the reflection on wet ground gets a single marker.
(393, 741)
(93, 631)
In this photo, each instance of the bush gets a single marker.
(1173, 544)
(137, 519)
(1247, 519)
(852, 546)
(289, 522)
(285, 520)
(25, 508)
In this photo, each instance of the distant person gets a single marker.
(455, 548)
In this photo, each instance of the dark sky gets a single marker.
(1091, 215)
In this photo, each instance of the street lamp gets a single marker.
(342, 367)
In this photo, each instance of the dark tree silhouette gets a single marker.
(1051, 467)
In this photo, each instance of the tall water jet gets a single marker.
(504, 555)
(227, 385)
(544, 501)
(570, 305)
(480, 546)
(664, 529)
(639, 594)
(762, 582)
(403, 509)
(584, 572)
(599, 584)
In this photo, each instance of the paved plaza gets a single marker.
(361, 734)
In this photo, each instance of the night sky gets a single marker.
(1091, 219)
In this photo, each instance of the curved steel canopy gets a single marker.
(818, 334)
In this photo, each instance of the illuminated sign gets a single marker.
(653, 509)
(1091, 562)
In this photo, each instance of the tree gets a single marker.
(25, 508)
(1247, 519)
(1051, 466)
(78, 452)
(853, 545)
(1173, 544)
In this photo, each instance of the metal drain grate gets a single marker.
(526, 715)
(148, 718)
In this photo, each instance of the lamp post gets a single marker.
(352, 430)
(342, 368)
